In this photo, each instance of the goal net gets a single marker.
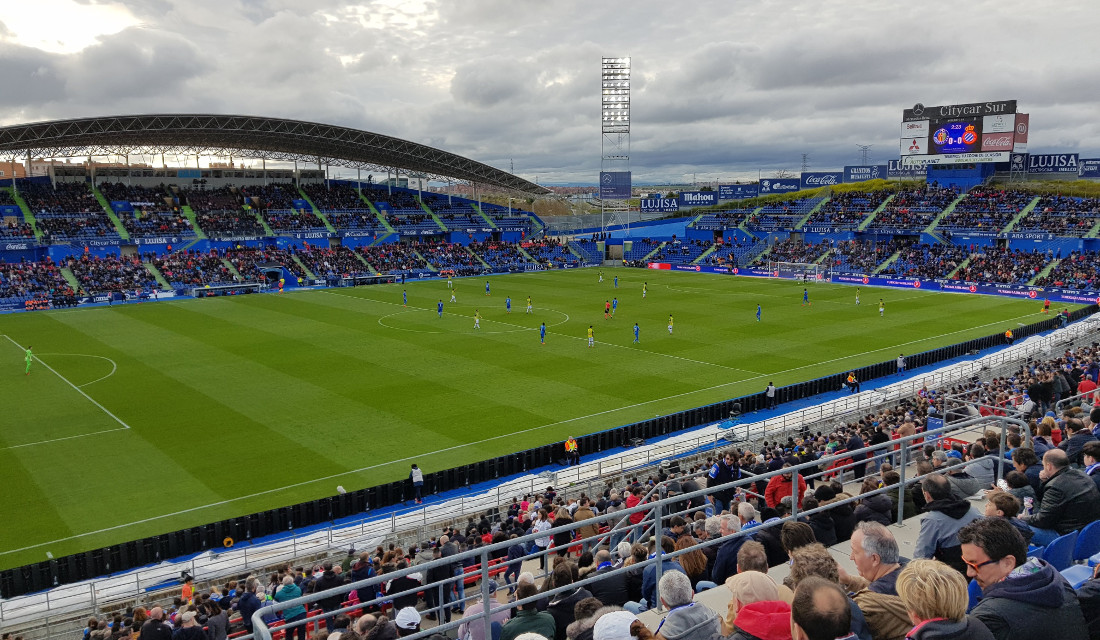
(802, 271)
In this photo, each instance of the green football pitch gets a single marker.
(144, 419)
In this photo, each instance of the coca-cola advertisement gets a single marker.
(997, 142)
(815, 179)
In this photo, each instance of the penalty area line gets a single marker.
(76, 388)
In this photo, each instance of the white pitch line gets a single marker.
(114, 366)
(468, 444)
(78, 389)
(564, 335)
(83, 435)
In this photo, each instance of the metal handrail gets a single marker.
(657, 509)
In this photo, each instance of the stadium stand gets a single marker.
(782, 215)
(334, 197)
(450, 257)
(793, 250)
(154, 212)
(847, 209)
(722, 219)
(914, 209)
(1062, 215)
(219, 213)
(111, 274)
(1079, 270)
(271, 197)
(550, 253)
(986, 209)
(861, 256)
(640, 248)
(335, 262)
(500, 254)
(588, 250)
(926, 261)
(393, 258)
(189, 268)
(68, 212)
(1003, 266)
(681, 251)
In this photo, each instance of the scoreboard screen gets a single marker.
(956, 136)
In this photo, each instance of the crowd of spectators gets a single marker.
(290, 220)
(229, 224)
(450, 257)
(550, 252)
(862, 256)
(111, 274)
(358, 220)
(793, 250)
(334, 197)
(722, 219)
(987, 209)
(413, 221)
(16, 228)
(61, 197)
(927, 262)
(914, 209)
(336, 262)
(499, 254)
(26, 278)
(849, 208)
(1079, 270)
(679, 251)
(1062, 215)
(154, 212)
(248, 262)
(207, 200)
(1003, 265)
(192, 268)
(271, 196)
(393, 257)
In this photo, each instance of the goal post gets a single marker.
(802, 271)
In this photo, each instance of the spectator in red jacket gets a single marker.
(781, 486)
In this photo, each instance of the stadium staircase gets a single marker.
(423, 259)
(485, 217)
(189, 213)
(263, 223)
(232, 269)
(316, 211)
(703, 256)
(574, 252)
(381, 217)
(67, 273)
(429, 211)
(1020, 216)
(887, 262)
(1094, 231)
(305, 269)
(119, 227)
(524, 253)
(822, 257)
(879, 209)
(649, 256)
(360, 258)
(801, 223)
(962, 265)
(474, 254)
(697, 218)
(158, 276)
(943, 214)
(1046, 271)
(28, 217)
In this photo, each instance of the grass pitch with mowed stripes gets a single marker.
(144, 419)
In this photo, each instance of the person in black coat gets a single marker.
(874, 508)
(821, 523)
(611, 589)
(859, 466)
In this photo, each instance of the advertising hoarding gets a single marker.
(1052, 163)
(659, 205)
(784, 185)
(1090, 168)
(737, 191)
(860, 173)
(615, 185)
(815, 179)
(698, 198)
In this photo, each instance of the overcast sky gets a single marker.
(720, 89)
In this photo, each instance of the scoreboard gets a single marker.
(963, 133)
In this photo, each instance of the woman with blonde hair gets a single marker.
(935, 597)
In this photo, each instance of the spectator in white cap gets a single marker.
(407, 621)
(614, 626)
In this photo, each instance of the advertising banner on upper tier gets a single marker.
(738, 191)
(814, 179)
(863, 173)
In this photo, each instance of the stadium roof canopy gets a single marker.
(250, 137)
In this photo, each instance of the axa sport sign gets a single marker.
(659, 205)
(698, 198)
(862, 173)
(737, 191)
(814, 179)
(1052, 163)
(784, 185)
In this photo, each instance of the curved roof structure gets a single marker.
(248, 136)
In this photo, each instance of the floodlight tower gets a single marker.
(615, 139)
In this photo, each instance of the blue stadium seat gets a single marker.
(1060, 552)
(1088, 544)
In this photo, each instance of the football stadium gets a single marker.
(270, 376)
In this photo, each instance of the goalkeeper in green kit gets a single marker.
(30, 357)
